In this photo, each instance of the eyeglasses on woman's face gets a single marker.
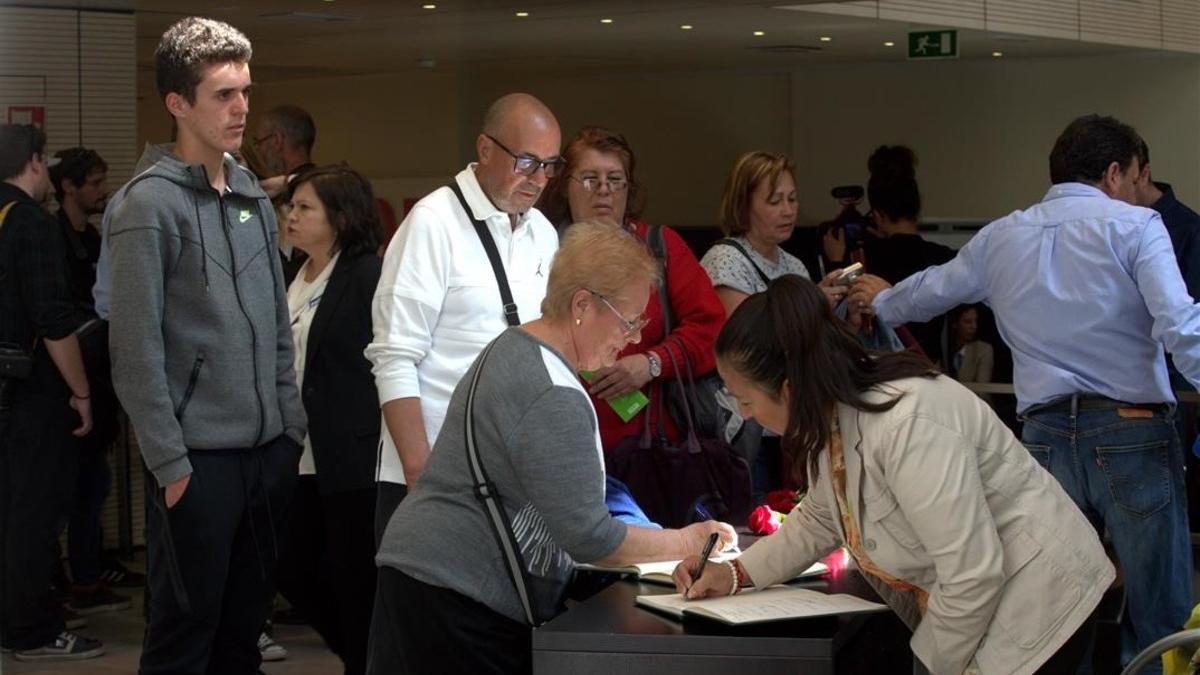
(593, 183)
(628, 328)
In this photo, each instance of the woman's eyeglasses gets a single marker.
(629, 328)
(595, 183)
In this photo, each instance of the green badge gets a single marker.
(626, 405)
(244, 216)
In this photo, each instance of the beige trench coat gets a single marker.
(948, 499)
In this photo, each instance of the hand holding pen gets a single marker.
(687, 575)
(704, 555)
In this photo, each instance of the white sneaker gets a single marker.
(270, 649)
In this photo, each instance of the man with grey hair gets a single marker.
(202, 361)
(443, 295)
(285, 140)
(284, 144)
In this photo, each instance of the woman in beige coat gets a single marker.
(964, 535)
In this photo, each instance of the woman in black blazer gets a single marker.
(327, 569)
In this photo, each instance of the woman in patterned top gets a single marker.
(758, 213)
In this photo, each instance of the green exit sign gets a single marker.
(933, 44)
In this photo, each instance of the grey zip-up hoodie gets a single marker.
(199, 327)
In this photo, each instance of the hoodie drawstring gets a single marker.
(203, 250)
(267, 240)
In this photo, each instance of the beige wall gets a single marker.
(982, 129)
(410, 132)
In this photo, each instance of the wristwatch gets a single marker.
(655, 364)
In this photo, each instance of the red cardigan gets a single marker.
(699, 317)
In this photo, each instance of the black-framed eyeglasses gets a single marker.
(527, 165)
(629, 328)
(596, 183)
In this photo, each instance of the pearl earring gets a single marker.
(578, 321)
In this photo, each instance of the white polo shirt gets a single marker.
(438, 304)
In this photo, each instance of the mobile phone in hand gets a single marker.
(849, 274)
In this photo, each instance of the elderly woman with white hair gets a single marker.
(513, 495)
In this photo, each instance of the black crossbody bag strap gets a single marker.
(658, 246)
(486, 493)
(734, 243)
(493, 254)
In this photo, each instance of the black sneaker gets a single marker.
(97, 599)
(117, 575)
(66, 647)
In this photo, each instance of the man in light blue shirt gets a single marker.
(1087, 292)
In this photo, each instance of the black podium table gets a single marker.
(607, 634)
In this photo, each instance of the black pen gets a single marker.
(708, 548)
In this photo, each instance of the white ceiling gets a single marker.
(307, 38)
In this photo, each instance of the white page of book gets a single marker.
(772, 604)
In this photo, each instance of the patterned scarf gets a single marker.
(837, 463)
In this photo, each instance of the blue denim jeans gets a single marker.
(1126, 474)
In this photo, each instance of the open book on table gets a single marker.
(777, 603)
(660, 572)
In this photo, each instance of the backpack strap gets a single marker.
(4, 212)
(493, 254)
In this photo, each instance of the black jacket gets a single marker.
(339, 390)
(35, 292)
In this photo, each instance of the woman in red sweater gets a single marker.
(599, 184)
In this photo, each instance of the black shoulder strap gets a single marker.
(734, 243)
(658, 246)
(493, 254)
(486, 492)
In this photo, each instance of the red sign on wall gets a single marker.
(28, 114)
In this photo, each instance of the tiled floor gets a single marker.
(121, 633)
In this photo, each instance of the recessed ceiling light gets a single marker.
(522, 14)
(686, 26)
(759, 33)
(889, 43)
(605, 20)
(825, 38)
(997, 54)
(428, 6)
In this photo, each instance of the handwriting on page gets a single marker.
(773, 604)
(792, 603)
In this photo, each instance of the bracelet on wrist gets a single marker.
(739, 572)
(733, 577)
(81, 398)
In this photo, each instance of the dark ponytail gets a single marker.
(788, 334)
(892, 188)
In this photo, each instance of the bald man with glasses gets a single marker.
(469, 260)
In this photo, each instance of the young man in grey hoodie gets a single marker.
(202, 362)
